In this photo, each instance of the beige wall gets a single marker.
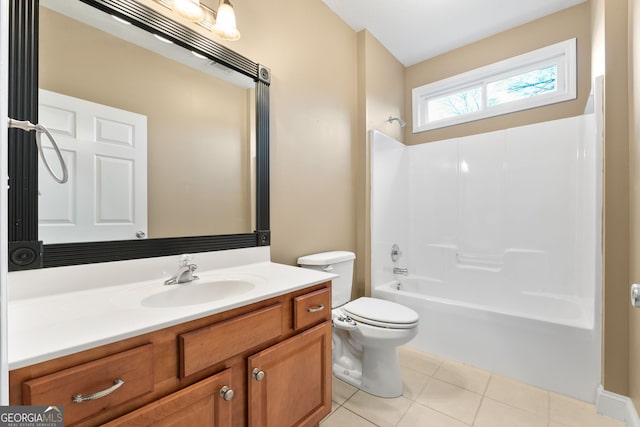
(201, 171)
(614, 16)
(563, 25)
(313, 58)
(384, 87)
(381, 80)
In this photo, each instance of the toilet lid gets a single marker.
(378, 312)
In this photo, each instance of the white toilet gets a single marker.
(366, 331)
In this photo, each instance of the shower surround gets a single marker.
(500, 233)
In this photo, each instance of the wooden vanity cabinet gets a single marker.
(201, 372)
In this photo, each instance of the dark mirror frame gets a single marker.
(25, 251)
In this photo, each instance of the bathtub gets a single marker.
(548, 341)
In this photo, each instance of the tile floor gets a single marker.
(442, 393)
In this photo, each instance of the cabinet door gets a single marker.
(290, 382)
(201, 404)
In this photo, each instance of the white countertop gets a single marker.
(58, 324)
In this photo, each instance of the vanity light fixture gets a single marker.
(222, 23)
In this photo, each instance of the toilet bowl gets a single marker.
(366, 331)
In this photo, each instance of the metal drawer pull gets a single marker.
(79, 398)
(318, 307)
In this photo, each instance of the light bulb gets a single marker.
(188, 9)
(225, 26)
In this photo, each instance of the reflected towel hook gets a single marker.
(40, 129)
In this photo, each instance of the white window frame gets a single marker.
(562, 54)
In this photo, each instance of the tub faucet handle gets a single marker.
(395, 253)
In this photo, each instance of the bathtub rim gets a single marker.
(390, 287)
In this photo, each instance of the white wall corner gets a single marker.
(616, 406)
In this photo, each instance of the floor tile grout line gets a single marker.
(404, 414)
(483, 396)
(486, 386)
(462, 387)
(340, 405)
(443, 413)
(426, 383)
(411, 402)
(457, 385)
(475, 416)
(433, 377)
(371, 421)
(361, 416)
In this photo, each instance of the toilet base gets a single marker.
(380, 374)
(349, 376)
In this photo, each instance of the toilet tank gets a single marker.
(336, 262)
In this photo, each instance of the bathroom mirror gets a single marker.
(196, 200)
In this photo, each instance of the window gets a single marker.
(541, 77)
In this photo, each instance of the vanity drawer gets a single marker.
(134, 367)
(311, 308)
(200, 404)
(204, 347)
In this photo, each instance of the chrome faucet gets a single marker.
(185, 272)
(398, 270)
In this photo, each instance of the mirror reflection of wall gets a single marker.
(200, 158)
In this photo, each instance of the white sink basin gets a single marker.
(203, 290)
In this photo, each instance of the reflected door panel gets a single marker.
(106, 152)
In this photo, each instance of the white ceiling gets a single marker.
(415, 30)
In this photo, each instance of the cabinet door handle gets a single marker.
(226, 393)
(318, 307)
(79, 398)
(258, 374)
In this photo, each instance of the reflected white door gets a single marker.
(105, 150)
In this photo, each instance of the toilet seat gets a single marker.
(381, 313)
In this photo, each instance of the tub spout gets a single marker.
(398, 270)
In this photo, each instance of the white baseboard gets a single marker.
(616, 406)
